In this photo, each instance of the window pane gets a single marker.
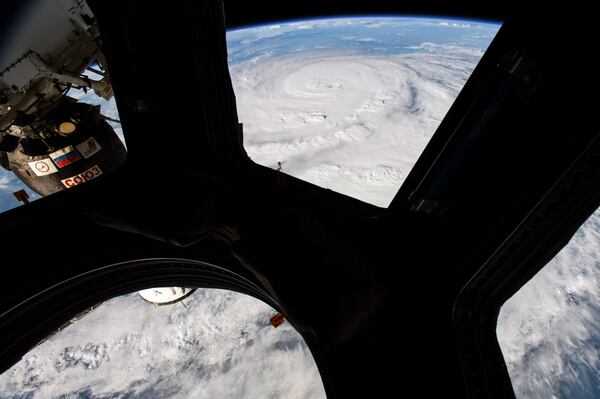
(549, 331)
(349, 104)
(212, 344)
(58, 121)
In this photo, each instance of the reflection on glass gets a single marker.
(350, 103)
(212, 344)
(58, 121)
(549, 331)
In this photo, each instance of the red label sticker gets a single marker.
(89, 174)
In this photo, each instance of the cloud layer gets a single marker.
(220, 345)
(350, 122)
(549, 331)
(350, 104)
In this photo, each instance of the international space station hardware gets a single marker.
(166, 295)
(49, 140)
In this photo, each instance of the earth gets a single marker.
(348, 104)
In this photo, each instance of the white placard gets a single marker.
(43, 167)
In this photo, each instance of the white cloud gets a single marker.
(5, 181)
(221, 346)
(453, 49)
(370, 24)
(358, 39)
(455, 24)
(549, 330)
(351, 122)
(303, 26)
(252, 35)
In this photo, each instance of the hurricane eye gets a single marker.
(349, 104)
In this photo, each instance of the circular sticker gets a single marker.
(42, 167)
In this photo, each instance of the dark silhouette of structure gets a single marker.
(511, 173)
